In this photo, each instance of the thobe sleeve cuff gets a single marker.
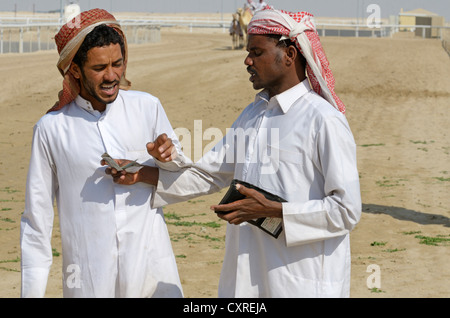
(34, 282)
(175, 164)
(160, 196)
(157, 199)
(301, 228)
(307, 222)
(167, 191)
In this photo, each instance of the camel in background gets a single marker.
(245, 15)
(236, 32)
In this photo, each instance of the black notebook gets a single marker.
(269, 225)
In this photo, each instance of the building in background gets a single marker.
(421, 17)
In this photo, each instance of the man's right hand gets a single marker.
(146, 174)
(162, 148)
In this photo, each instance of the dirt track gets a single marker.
(397, 93)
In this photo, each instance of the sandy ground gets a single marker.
(397, 93)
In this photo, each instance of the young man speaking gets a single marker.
(113, 243)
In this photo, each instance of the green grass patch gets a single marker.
(376, 290)
(372, 145)
(195, 223)
(16, 260)
(8, 220)
(9, 190)
(393, 250)
(434, 241)
(195, 201)
(387, 183)
(423, 142)
(375, 243)
(442, 179)
(172, 216)
(411, 232)
(210, 238)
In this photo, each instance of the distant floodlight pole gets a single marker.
(357, 12)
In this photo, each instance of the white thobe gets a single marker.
(113, 243)
(297, 146)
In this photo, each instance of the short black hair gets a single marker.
(102, 35)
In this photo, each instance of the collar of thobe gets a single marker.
(86, 105)
(287, 98)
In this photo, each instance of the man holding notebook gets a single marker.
(293, 149)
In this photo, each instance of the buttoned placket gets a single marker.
(252, 161)
(121, 192)
(252, 143)
(259, 140)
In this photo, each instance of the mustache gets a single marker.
(110, 83)
(251, 70)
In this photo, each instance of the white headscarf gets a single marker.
(301, 29)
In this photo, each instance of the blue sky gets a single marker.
(320, 8)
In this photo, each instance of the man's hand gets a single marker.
(162, 148)
(254, 206)
(146, 174)
(121, 177)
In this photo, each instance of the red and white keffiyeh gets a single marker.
(301, 29)
(68, 41)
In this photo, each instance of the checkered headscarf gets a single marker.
(301, 29)
(68, 41)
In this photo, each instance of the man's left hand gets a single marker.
(253, 206)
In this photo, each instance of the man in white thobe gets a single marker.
(301, 149)
(257, 6)
(295, 142)
(113, 243)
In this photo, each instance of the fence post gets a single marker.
(1, 41)
(39, 38)
(21, 41)
(48, 38)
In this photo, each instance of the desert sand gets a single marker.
(397, 93)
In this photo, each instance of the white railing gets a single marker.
(25, 38)
(383, 30)
(29, 34)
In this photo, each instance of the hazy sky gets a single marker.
(320, 8)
